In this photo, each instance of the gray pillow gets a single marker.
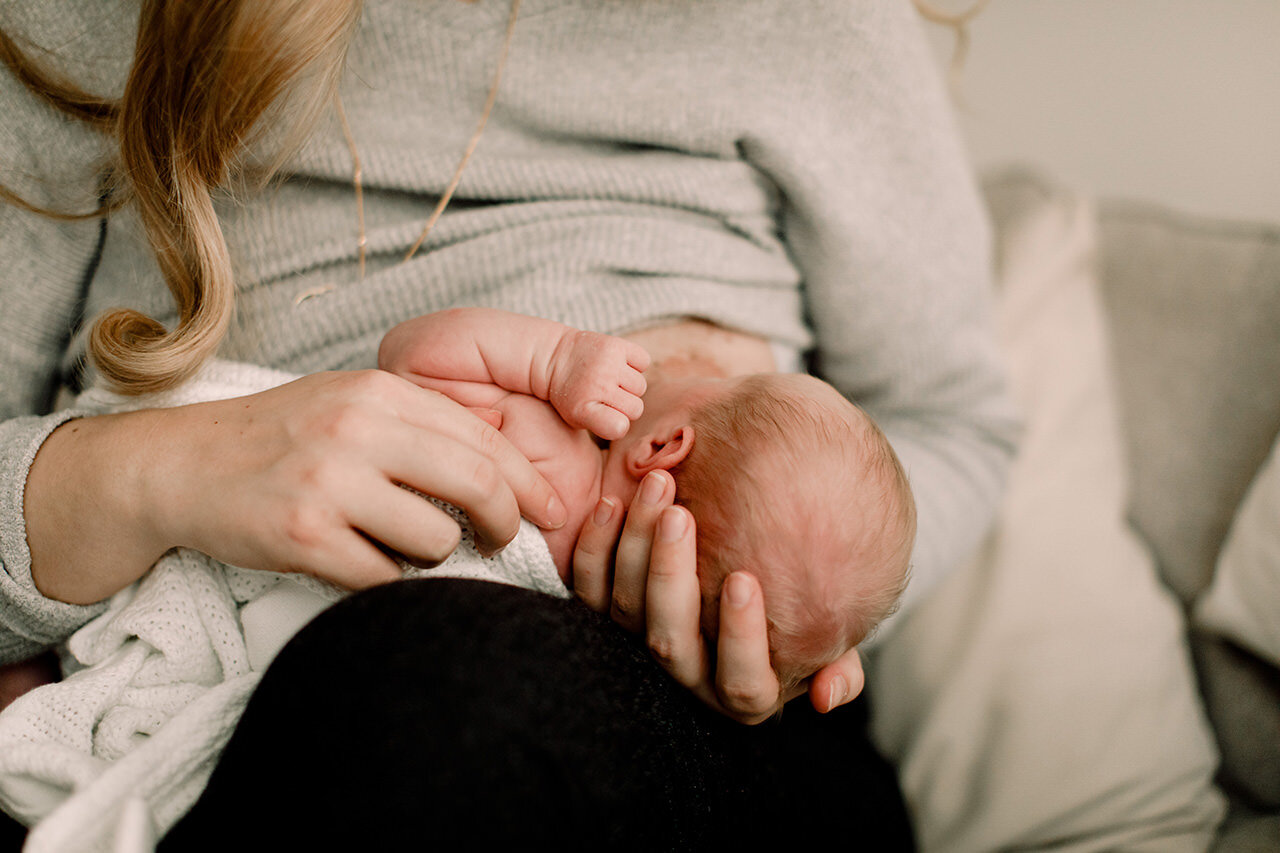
(1194, 308)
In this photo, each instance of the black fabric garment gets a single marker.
(12, 834)
(462, 712)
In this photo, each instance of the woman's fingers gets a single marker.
(745, 680)
(407, 523)
(673, 603)
(457, 474)
(593, 555)
(505, 468)
(837, 683)
(352, 561)
(631, 565)
(305, 477)
(655, 587)
(742, 683)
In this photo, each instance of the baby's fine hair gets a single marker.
(812, 500)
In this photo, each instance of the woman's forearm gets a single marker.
(302, 477)
(89, 525)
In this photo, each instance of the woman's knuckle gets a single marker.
(344, 424)
(663, 648)
(489, 442)
(589, 550)
(304, 526)
(374, 382)
(742, 694)
(485, 478)
(318, 477)
(624, 608)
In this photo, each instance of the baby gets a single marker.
(785, 478)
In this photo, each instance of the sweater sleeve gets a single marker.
(44, 265)
(881, 214)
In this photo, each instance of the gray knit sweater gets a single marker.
(785, 168)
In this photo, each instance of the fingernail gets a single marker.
(839, 688)
(652, 488)
(557, 515)
(738, 590)
(604, 512)
(672, 524)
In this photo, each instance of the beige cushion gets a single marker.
(1043, 697)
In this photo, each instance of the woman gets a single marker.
(787, 173)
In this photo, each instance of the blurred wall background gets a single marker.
(1176, 101)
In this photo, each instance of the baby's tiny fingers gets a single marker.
(606, 421)
(630, 405)
(637, 356)
(633, 382)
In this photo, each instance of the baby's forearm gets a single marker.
(481, 345)
(475, 356)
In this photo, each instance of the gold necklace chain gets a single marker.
(357, 174)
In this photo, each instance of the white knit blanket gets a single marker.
(112, 756)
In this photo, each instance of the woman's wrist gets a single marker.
(92, 524)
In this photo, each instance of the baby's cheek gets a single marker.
(561, 544)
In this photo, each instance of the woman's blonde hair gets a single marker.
(204, 76)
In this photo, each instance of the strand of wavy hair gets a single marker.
(206, 80)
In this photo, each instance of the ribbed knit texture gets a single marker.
(788, 169)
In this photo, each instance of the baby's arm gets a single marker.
(475, 354)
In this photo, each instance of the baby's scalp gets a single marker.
(790, 481)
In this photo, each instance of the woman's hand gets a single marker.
(305, 477)
(644, 573)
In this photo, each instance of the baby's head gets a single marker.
(790, 481)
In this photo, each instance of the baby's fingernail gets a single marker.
(652, 488)
(839, 688)
(604, 512)
(738, 590)
(557, 515)
(672, 524)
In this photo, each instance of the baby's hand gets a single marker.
(597, 382)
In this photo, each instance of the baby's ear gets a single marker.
(663, 449)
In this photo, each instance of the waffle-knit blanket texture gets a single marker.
(117, 752)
